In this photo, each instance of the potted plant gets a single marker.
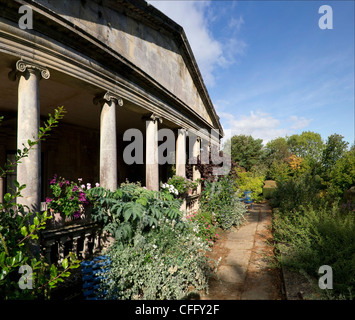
(68, 201)
(182, 184)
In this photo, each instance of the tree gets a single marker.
(308, 145)
(277, 150)
(246, 151)
(334, 149)
(342, 175)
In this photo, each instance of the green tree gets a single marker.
(246, 151)
(277, 149)
(342, 175)
(309, 146)
(334, 149)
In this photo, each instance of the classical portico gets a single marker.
(109, 77)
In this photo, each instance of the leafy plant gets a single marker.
(68, 198)
(309, 238)
(249, 181)
(19, 234)
(122, 210)
(220, 198)
(165, 263)
(205, 226)
(182, 184)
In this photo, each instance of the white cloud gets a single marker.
(196, 18)
(261, 125)
(299, 123)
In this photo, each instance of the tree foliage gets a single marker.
(245, 150)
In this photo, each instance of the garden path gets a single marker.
(244, 272)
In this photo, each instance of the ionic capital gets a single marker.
(23, 66)
(107, 97)
(153, 117)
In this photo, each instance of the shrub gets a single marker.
(220, 199)
(310, 238)
(165, 263)
(300, 190)
(249, 181)
(205, 226)
(342, 175)
(123, 210)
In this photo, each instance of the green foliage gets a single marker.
(277, 150)
(19, 235)
(249, 181)
(310, 238)
(182, 184)
(205, 227)
(165, 263)
(342, 175)
(219, 199)
(280, 170)
(334, 149)
(67, 197)
(123, 210)
(298, 190)
(245, 150)
(308, 145)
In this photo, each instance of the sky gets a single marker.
(270, 67)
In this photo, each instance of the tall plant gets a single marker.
(19, 233)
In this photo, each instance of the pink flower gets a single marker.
(97, 184)
(49, 200)
(54, 179)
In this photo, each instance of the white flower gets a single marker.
(97, 184)
(88, 186)
(83, 186)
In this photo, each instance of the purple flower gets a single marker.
(49, 200)
(54, 180)
(75, 188)
(76, 214)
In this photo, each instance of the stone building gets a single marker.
(113, 65)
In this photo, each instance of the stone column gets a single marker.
(196, 151)
(151, 153)
(180, 156)
(29, 170)
(108, 139)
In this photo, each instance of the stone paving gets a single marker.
(244, 272)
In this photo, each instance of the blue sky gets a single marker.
(270, 70)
